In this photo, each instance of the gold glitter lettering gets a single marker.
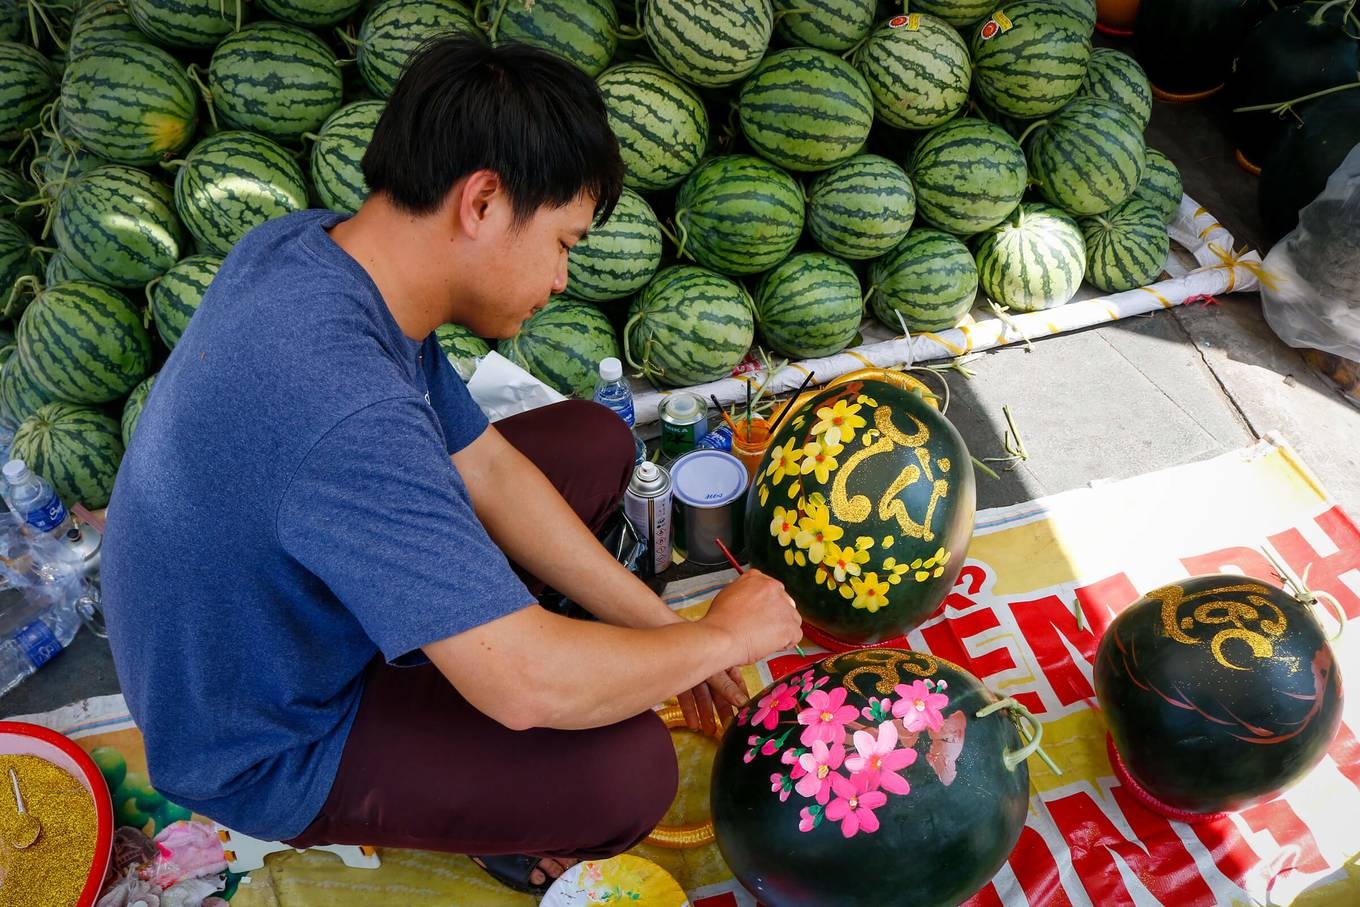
(1270, 622)
(885, 664)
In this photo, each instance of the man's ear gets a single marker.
(475, 200)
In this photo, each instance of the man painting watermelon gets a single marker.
(321, 562)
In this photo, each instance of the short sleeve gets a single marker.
(378, 513)
(462, 419)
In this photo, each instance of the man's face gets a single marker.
(525, 266)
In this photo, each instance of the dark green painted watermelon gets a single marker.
(1187, 46)
(1219, 692)
(871, 778)
(863, 507)
(1321, 133)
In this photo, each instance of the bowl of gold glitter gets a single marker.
(56, 820)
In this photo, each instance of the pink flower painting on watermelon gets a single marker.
(781, 699)
(826, 716)
(879, 759)
(920, 705)
(846, 781)
(855, 803)
(819, 766)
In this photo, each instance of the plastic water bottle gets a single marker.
(32, 645)
(57, 543)
(612, 391)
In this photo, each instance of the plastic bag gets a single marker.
(1315, 269)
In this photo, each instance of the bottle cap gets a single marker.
(647, 470)
(682, 406)
(15, 470)
(611, 369)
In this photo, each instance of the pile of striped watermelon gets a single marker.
(788, 161)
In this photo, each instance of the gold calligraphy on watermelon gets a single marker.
(833, 478)
(1256, 622)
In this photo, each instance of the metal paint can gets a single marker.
(647, 505)
(684, 419)
(710, 487)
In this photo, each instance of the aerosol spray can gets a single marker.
(647, 505)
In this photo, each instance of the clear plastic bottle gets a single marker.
(612, 390)
(56, 541)
(31, 644)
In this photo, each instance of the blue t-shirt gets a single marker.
(286, 511)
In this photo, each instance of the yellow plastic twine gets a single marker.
(691, 834)
(1231, 261)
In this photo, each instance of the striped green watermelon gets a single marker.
(1033, 66)
(27, 82)
(955, 12)
(930, 279)
(176, 294)
(462, 348)
(562, 344)
(19, 396)
(1114, 76)
(969, 176)
(13, 22)
(708, 42)
(1161, 185)
(100, 21)
(862, 208)
(60, 161)
(14, 190)
(17, 259)
(1083, 10)
(918, 71)
(1035, 260)
(738, 214)
(310, 13)
(661, 124)
(586, 32)
(392, 31)
(83, 342)
(187, 23)
(75, 448)
(618, 257)
(806, 109)
(131, 103)
(275, 79)
(132, 408)
(834, 25)
(809, 305)
(233, 181)
(1125, 248)
(688, 326)
(1088, 157)
(59, 270)
(117, 224)
(338, 152)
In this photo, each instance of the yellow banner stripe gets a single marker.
(1166, 303)
(956, 350)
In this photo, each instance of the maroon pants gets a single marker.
(424, 769)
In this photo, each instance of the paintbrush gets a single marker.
(737, 567)
(722, 412)
(789, 405)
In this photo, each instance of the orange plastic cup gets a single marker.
(749, 443)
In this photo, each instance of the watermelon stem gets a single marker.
(1281, 108)
(1031, 731)
(196, 74)
(29, 283)
(1005, 316)
(1317, 17)
(668, 234)
(347, 39)
(627, 334)
(1028, 129)
(35, 12)
(978, 464)
(627, 32)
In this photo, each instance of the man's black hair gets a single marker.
(462, 105)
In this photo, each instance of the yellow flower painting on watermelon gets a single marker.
(815, 471)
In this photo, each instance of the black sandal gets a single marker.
(513, 871)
